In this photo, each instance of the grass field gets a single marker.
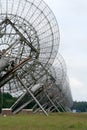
(62, 121)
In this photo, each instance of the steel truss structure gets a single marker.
(29, 42)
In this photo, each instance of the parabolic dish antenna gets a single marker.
(28, 28)
(28, 33)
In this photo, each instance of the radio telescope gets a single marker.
(28, 28)
(29, 42)
(28, 32)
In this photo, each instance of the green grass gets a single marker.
(62, 121)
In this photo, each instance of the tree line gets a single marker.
(80, 106)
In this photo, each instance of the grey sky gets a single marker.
(72, 19)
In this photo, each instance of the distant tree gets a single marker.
(80, 106)
(0, 100)
(7, 100)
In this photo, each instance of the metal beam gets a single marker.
(22, 37)
(31, 94)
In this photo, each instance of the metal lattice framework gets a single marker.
(51, 94)
(32, 26)
(29, 42)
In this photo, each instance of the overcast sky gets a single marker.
(72, 19)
